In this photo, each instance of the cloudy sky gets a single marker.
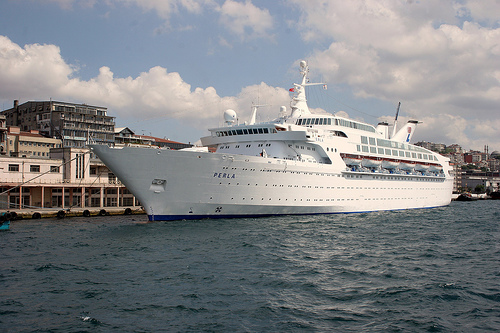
(169, 68)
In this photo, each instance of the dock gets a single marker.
(20, 214)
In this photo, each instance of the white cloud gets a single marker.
(430, 55)
(245, 19)
(39, 72)
(33, 70)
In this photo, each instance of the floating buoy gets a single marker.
(61, 214)
(86, 213)
(102, 212)
(128, 211)
(36, 216)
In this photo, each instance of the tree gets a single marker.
(479, 188)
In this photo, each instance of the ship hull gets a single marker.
(174, 185)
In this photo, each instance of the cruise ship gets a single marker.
(300, 163)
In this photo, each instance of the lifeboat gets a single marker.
(435, 168)
(421, 167)
(352, 161)
(407, 166)
(370, 163)
(388, 164)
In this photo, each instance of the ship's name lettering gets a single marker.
(224, 175)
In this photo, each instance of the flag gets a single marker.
(291, 89)
(325, 87)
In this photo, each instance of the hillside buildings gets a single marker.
(73, 124)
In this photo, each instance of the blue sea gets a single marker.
(431, 270)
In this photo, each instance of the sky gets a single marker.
(169, 68)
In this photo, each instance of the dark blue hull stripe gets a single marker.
(232, 216)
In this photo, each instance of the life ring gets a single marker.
(102, 212)
(61, 214)
(128, 211)
(36, 216)
(86, 213)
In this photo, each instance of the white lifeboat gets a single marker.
(388, 164)
(352, 161)
(407, 166)
(370, 163)
(421, 167)
(435, 168)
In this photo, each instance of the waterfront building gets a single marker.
(70, 178)
(74, 124)
(28, 144)
(124, 135)
(3, 135)
(472, 178)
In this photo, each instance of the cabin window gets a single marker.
(373, 150)
(239, 132)
(372, 141)
(329, 121)
(34, 168)
(401, 153)
(14, 167)
(245, 131)
(420, 156)
(358, 147)
(364, 140)
(364, 149)
(413, 155)
(266, 130)
(321, 121)
(388, 152)
(381, 151)
(395, 152)
(407, 154)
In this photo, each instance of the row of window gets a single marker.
(390, 144)
(33, 168)
(335, 121)
(245, 131)
(37, 144)
(395, 152)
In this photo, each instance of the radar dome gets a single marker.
(303, 64)
(230, 116)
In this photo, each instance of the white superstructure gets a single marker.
(301, 163)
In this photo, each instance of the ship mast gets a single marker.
(299, 101)
(395, 121)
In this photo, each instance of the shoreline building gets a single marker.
(74, 124)
(70, 178)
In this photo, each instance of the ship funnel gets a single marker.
(383, 128)
(406, 132)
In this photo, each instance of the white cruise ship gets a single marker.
(300, 163)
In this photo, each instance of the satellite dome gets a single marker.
(230, 116)
(303, 64)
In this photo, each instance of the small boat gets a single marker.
(390, 164)
(466, 196)
(370, 163)
(421, 167)
(5, 221)
(408, 166)
(495, 195)
(435, 168)
(352, 160)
